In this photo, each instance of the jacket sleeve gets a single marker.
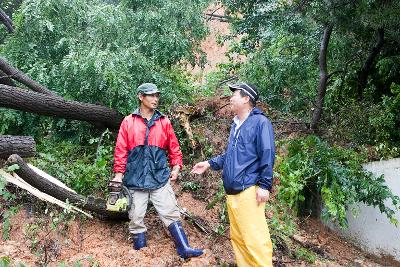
(217, 163)
(121, 149)
(266, 154)
(174, 150)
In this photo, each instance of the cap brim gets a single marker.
(234, 87)
(151, 92)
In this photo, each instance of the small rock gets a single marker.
(358, 262)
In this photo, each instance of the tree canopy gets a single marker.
(282, 40)
(99, 52)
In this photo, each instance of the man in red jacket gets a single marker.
(146, 142)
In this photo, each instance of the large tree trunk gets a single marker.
(21, 77)
(363, 74)
(24, 146)
(323, 77)
(6, 21)
(95, 205)
(25, 100)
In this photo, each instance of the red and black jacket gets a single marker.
(143, 148)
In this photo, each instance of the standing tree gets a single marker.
(281, 38)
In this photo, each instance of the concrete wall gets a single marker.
(372, 230)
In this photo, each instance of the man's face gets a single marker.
(238, 102)
(150, 100)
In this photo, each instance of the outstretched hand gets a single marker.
(200, 167)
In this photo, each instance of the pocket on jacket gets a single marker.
(247, 135)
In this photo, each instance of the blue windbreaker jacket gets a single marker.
(250, 155)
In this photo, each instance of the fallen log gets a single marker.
(16, 180)
(96, 205)
(48, 188)
(21, 77)
(25, 100)
(316, 248)
(5, 79)
(24, 146)
(6, 21)
(50, 178)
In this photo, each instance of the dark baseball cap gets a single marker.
(148, 88)
(248, 89)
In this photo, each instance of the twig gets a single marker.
(99, 144)
(289, 122)
(212, 13)
(218, 17)
(234, 77)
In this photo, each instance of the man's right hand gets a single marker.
(200, 167)
(118, 177)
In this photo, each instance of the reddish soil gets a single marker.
(91, 241)
(99, 243)
(215, 52)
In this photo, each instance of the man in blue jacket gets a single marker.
(247, 165)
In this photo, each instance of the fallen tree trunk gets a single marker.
(16, 180)
(24, 146)
(6, 21)
(5, 79)
(96, 205)
(25, 100)
(21, 77)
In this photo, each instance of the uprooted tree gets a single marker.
(45, 102)
(96, 205)
(42, 101)
(25, 100)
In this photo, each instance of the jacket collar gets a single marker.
(254, 111)
(157, 114)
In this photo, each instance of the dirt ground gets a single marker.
(92, 242)
(99, 243)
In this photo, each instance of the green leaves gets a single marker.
(314, 167)
(12, 168)
(95, 52)
(281, 40)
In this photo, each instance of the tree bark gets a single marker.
(363, 74)
(5, 79)
(6, 21)
(24, 146)
(25, 100)
(96, 205)
(323, 77)
(21, 77)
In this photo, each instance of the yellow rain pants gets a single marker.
(249, 230)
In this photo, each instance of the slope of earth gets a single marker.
(37, 238)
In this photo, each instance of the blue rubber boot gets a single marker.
(181, 242)
(139, 241)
